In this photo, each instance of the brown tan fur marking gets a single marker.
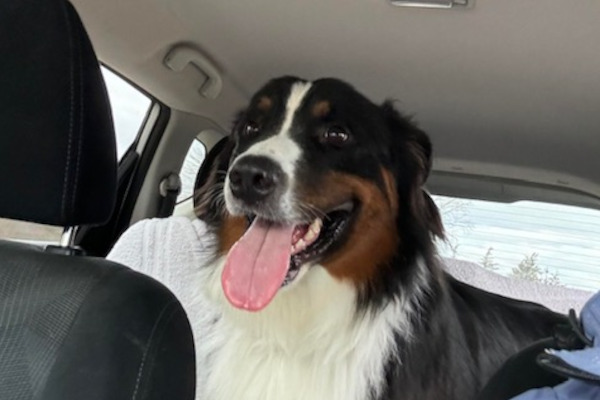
(390, 190)
(264, 103)
(230, 231)
(321, 109)
(373, 238)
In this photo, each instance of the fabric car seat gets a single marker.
(71, 326)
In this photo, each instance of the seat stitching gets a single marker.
(150, 341)
(80, 137)
(71, 114)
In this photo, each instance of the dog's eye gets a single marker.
(335, 136)
(250, 128)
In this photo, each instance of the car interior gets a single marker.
(507, 91)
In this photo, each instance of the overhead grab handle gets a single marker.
(180, 56)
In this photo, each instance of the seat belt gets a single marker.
(524, 370)
(169, 188)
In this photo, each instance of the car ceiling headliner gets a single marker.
(505, 83)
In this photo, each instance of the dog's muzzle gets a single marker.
(254, 180)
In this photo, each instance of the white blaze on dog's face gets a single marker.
(316, 176)
(281, 150)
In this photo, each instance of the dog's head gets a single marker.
(315, 173)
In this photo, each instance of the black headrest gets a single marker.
(57, 141)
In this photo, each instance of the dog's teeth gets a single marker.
(298, 246)
(316, 225)
(310, 235)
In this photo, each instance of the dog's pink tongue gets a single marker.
(257, 264)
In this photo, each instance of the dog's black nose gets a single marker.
(254, 178)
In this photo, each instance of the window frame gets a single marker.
(143, 125)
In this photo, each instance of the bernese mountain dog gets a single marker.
(326, 274)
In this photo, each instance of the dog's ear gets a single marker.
(416, 141)
(419, 149)
(209, 204)
(432, 216)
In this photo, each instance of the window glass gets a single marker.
(189, 169)
(129, 108)
(550, 243)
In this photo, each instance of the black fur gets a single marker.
(461, 338)
(208, 199)
(461, 335)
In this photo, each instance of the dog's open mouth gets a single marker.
(311, 241)
(270, 255)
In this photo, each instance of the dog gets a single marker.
(325, 273)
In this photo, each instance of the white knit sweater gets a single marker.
(173, 250)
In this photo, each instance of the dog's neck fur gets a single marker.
(309, 343)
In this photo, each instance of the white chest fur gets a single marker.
(308, 344)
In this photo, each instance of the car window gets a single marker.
(189, 169)
(129, 108)
(551, 243)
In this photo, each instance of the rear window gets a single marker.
(550, 243)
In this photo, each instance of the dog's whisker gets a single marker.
(309, 211)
